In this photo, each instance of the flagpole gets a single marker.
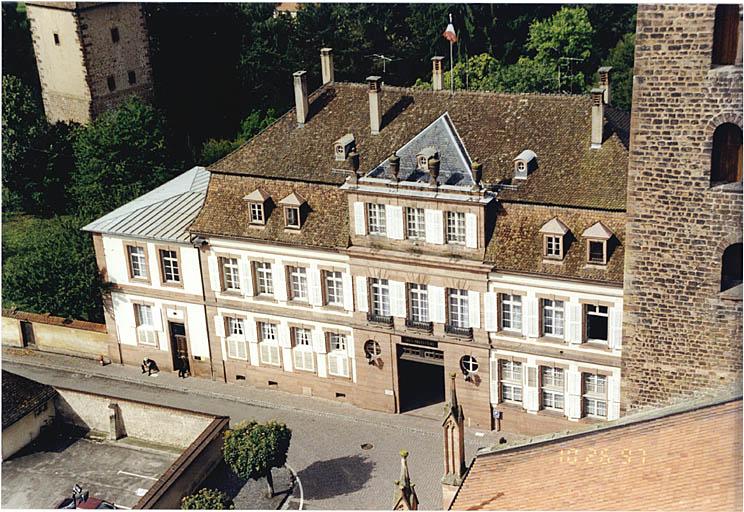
(452, 67)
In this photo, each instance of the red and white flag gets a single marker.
(449, 33)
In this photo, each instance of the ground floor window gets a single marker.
(595, 395)
(146, 333)
(511, 381)
(338, 357)
(270, 352)
(304, 359)
(236, 347)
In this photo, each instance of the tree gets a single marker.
(23, 121)
(207, 499)
(214, 149)
(118, 157)
(621, 58)
(252, 450)
(53, 270)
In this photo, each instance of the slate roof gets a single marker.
(22, 396)
(517, 244)
(494, 127)
(689, 460)
(226, 213)
(164, 213)
(441, 136)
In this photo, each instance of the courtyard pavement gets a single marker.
(327, 453)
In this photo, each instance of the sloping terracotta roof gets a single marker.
(686, 461)
(517, 244)
(22, 396)
(226, 213)
(494, 127)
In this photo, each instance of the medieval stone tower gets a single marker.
(90, 56)
(683, 267)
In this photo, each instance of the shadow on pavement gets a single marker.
(335, 477)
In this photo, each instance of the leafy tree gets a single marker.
(252, 450)
(254, 123)
(118, 157)
(621, 58)
(214, 149)
(207, 499)
(22, 122)
(53, 270)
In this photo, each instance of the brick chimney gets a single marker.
(300, 94)
(597, 117)
(437, 78)
(375, 105)
(604, 82)
(326, 65)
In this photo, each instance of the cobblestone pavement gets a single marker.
(326, 451)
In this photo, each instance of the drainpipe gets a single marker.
(199, 244)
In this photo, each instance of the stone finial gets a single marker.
(394, 162)
(405, 492)
(477, 169)
(433, 164)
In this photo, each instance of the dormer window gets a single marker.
(343, 146)
(524, 163)
(597, 237)
(257, 206)
(554, 233)
(422, 159)
(293, 206)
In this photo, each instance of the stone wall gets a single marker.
(681, 335)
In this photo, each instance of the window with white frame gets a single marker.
(511, 312)
(236, 347)
(552, 393)
(338, 358)
(230, 274)
(334, 288)
(380, 296)
(415, 224)
(553, 246)
(455, 228)
(458, 308)
(510, 381)
(597, 251)
(269, 350)
(137, 262)
(376, 222)
(418, 299)
(468, 364)
(257, 213)
(146, 333)
(304, 359)
(552, 318)
(169, 262)
(596, 320)
(292, 217)
(264, 278)
(595, 395)
(297, 283)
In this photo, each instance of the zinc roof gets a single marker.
(164, 213)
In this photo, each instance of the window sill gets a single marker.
(298, 302)
(723, 69)
(552, 339)
(139, 280)
(334, 308)
(459, 332)
(595, 266)
(256, 226)
(173, 284)
(596, 345)
(232, 293)
(292, 230)
(553, 261)
(514, 406)
(265, 298)
(553, 413)
(517, 335)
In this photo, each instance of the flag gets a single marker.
(449, 33)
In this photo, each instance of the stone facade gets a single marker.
(682, 335)
(90, 57)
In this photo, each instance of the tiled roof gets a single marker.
(685, 461)
(22, 396)
(517, 244)
(494, 127)
(226, 214)
(164, 213)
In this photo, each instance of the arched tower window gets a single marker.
(731, 267)
(726, 34)
(727, 158)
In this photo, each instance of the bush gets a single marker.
(207, 499)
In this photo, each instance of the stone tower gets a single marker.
(90, 56)
(683, 261)
(454, 447)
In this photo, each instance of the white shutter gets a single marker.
(474, 309)
(232, 349)
(613, 397)
(314, 287)
(319, 344)
(573, 401)
(280, 286)
(436, 304)
(394, 215)
(434, 226)
(360, 225)
(398, 299)
(361, 292)
(494, 380)
(471, 230)
(332, 364)
(573, 320)
(348, 292)
(246, 277)
(533, 307)
(490, 303)
(157, 319)
(530, 398)
(615, 328)
(285, 338)
(219, 326)
(214, 273)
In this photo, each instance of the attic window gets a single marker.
(294, 205)
(554, 233)
(524, 163)
(257, 213)
(422, 159)
(596, 247)
(343, 146)
(553, 247)
(257, 206)
(292, 217)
